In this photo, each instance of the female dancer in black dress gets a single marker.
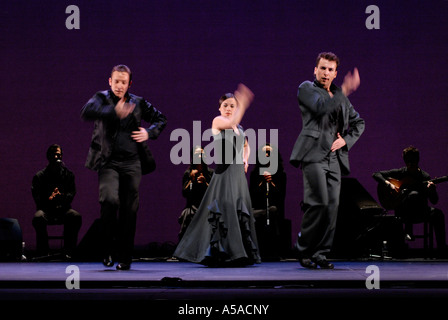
(222, 232)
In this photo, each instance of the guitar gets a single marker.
(390, 199)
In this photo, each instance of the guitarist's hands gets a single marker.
(391, 185)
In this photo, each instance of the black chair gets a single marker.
(55, 233)
(57, 236)
(427, 236)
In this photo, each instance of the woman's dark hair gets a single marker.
(225, 97)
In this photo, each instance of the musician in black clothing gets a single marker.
(267, 189)
(414, 193)
(194, 184)
(53, 189)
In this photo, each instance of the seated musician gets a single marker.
(410, 190)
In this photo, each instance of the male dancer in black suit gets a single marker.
(120, 155)
(330, 127)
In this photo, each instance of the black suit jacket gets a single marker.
(317, 135)
(101, 109)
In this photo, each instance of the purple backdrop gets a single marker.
(184, 55)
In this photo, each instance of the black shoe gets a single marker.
(108, 261)
(307, 263)
(324, 264)
(123, 266)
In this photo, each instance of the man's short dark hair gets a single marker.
(122, 68)
(330, 56)
(411, 155)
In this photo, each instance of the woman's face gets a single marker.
(227, 107)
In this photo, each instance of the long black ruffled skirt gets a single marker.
(222, 232)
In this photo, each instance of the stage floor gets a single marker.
(175, 286)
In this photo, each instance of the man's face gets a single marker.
(198, 156)
(119, 83)
(56, 157)
(412, 166)
(325, 72)
(267, 150)
(199, 152)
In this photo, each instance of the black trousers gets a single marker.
(72, 222)
(322, 185)
(119, 183)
